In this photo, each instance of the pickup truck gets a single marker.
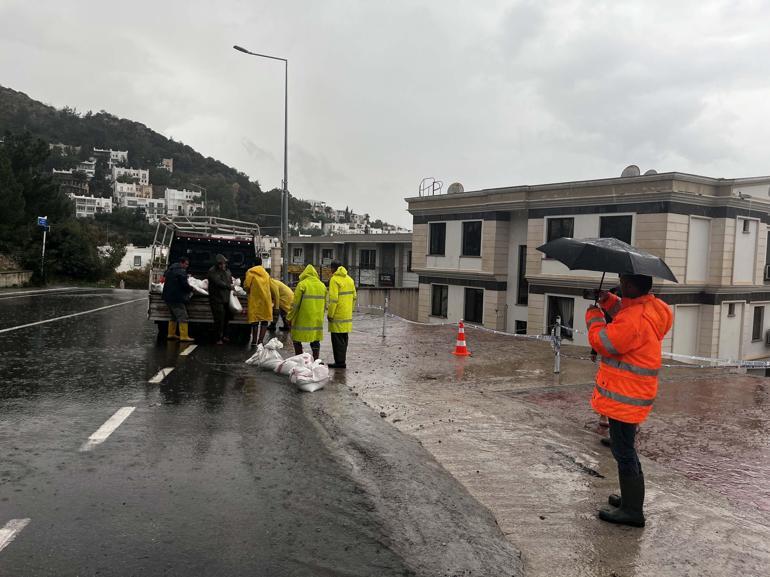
(200, 238)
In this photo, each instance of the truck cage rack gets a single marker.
(195, 225)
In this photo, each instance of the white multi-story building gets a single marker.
(87, 166)
(336, 228)
(88, 206)
(122, 190)
(167, 164)
(139, 174)
(183, 202)
(113, 157)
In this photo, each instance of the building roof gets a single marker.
(400, 237)
(645, 178)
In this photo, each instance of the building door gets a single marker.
(731, 331)
(686, 329)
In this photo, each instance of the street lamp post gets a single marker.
(285, 192)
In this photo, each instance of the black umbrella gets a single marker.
(606, 255)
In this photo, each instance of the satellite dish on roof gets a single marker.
(455, 188)
(630, 170)
(651, 171)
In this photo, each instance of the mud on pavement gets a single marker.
(525, 444)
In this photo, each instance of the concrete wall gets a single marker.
(745, 254)
(403, 302)
(731, 331)
(517, 235)
(686, 329)
(419, 245)
(757, 349)
(14, 278)
(698, 250)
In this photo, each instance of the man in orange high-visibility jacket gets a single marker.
(627, 381)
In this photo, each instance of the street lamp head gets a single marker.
(241, 49)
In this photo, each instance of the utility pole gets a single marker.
(42, 222)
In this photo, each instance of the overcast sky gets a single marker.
(382, 94)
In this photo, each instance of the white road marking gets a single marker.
(188, 350)
(107, 428)
(11, 529)
(162, 374)
(16, 328)
(41, 292)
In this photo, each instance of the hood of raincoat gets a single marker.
(657, 313)
(259, 271)
(220, 258)
(309, 271)
(341, 271)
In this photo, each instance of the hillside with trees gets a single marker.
(231, 192)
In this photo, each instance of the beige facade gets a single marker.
(713, 234)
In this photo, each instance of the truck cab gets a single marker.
(200, 239)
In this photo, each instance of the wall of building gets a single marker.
(744, 263)
(402, 302)
(755, 349)
(731, 331)
(452, 259)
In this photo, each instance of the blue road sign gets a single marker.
(42, 221)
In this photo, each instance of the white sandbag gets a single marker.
(197, 285)
(238, 288)
(257, 356)
(205, 284)
(156, 287)
(303, 360)
(235, 304)
(271, 358)
(312, 378)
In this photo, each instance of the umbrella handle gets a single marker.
(601, 282)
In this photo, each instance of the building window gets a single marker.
(327, 254)
(746, 226)
(563, 307)
(618, 227)
(759, 321)
(367, 258)
(409, 261)
(439, 298)
(730, 309)
(437, 238)
(472, 238)
(137, 261)
(560, 228)
(474, 305)
(520, 327)
(522, 294)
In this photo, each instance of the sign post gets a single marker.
(42, 222)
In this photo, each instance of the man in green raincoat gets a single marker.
(307, 312)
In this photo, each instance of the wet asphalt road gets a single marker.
(220, 470)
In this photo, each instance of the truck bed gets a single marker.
(198, 310)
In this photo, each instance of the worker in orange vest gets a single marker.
(627, 381)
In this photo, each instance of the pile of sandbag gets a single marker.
(235, 304)
(308, 375)
(199, 286)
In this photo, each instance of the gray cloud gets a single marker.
(382, 94)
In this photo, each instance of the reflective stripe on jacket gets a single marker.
(342, 300)
(307, 312)
(630, 349)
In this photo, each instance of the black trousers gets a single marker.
(623, 437)
(340, 347)
(221, 314)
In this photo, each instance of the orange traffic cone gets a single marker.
(461, 350)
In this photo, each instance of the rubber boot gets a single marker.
(172, 331)
(297, 348)
(616, 501)
(316, 351)
(632, 503)
(184, 337)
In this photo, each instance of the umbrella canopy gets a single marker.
(606, 255)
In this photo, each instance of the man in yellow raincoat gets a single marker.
(260, 303)
(307, 312)
(283, 298)
(342, 300)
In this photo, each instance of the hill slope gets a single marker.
(238, 197)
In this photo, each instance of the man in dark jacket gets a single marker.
(220, 288)
(176, 292)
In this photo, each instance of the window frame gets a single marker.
(409, 261)
(567, 333)
(630, 215)
(463, 252)
(519, 326)
(550, 219)
(369, 265)
(466, 317)
(331, 254)
(731, 310)
(444, 305)
(760, 337)
(430, 238)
